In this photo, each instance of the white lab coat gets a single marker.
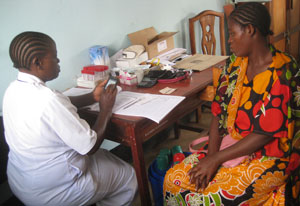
(48, 143)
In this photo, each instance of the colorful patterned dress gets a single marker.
(270, 105)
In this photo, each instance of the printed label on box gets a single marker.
(162, 45)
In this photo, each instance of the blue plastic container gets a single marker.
(156, 178)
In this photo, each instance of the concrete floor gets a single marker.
(151, 149)
(166, 140)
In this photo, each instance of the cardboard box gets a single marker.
(154, 43)
(127, 63)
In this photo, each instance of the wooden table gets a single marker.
(133, 131)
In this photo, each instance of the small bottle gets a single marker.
(178, 155)
(177, 158)
(165, 151)
(176, 149)
(162, 162)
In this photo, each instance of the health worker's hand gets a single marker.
(98, 90)
(108, 98)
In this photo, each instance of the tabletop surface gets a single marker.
(189, 86)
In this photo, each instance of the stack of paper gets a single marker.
(151, 106)
(169, 57)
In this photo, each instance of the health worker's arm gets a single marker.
(90, 98)
(106, 103)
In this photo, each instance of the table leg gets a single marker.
(139, 165)
(176, 130)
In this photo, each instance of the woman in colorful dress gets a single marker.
(257, 104)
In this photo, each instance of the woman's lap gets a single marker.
(257, 181)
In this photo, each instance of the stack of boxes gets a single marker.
(95, 72)
(98, 70)
(154, 45)
(91, 75)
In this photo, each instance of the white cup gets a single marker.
(139, 74)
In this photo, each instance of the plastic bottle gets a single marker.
(177, 154)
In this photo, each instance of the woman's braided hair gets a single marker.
(253, 13)
(27, 45)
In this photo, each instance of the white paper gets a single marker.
(108, 144)
(74, 91)
(169, 55)
(167, 90)
(162, 45)
(151, 106)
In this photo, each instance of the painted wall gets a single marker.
(76, 25)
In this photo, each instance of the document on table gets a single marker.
(151, 106)
(74, 91)
(199, 62)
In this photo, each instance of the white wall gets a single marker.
(76, 25)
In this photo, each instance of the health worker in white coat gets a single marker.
(54, 156)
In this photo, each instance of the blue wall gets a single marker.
(76, 25)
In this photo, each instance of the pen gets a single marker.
(130, 104)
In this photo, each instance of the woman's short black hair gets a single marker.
(253, 13)
(27, 45)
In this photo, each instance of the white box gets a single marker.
(127, 63)
(85, 83)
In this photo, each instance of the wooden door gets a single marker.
(278, 14)
(294, 28)
(285, 24)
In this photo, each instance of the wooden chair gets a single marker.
(207, 20)
(8, 199)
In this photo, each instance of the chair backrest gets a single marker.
(208, 94)
(207, 21)
(3, 153)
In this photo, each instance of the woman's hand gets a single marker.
(207, 167)
(204, 171)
